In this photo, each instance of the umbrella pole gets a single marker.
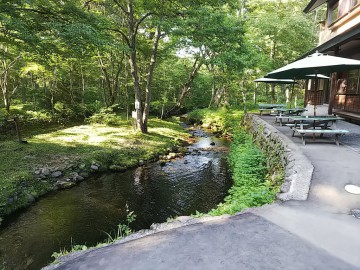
(292, 94)
(315, 92)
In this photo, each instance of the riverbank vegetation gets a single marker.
(253, 185)
(59, 158)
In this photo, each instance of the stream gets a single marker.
(84, 214)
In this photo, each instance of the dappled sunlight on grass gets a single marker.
(85, 134)
(111, 137)
(108, 145)
(86, 142)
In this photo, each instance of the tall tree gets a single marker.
(214, 38)
(278, 32)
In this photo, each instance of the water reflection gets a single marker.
(84, 213)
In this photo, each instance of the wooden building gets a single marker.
(339, 36)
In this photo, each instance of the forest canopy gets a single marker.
(71, 58)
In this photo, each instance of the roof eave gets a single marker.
(336, 41)
(313, 4)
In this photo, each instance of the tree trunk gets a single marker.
(213, 86)
(243, 93)
(6, 65)
(150, 77)
(272, 93)
(219, 95)
(255, 93)
(4, 88)
(134, 67)
(127, 91)
(186, 88)
(82, 84)
(107, 80)
(213, 91)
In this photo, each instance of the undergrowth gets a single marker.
(252, 185)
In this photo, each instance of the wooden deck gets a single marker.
(348, 115)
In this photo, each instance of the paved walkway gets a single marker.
(315, 234)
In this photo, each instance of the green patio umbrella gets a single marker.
(314, 64)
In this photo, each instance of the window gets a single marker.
(353, 82)
(333, 11)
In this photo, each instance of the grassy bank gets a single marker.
(253, 185)
(60, 158)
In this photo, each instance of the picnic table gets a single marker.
(322, 124)
(269, 107)
(285, 113)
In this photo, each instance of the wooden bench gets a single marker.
(337, 133)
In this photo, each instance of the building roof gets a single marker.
(314, 4)
(350, 35)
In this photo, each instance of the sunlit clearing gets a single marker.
(90, 134)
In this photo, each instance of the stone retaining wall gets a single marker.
(281, 151)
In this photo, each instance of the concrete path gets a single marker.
(315, 234)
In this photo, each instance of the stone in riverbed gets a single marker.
(84, 174)
(171, 156)
(94, 167)
(30, 198)
(45, 171)
(78, 178)
(56, 174)
(82, 166)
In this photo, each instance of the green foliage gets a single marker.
(64, 252)
(109, 116)
(222, 120)
(123, 230)
(252, 186)
(70, 59)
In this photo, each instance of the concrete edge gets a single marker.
(298, 170)
(179, 222)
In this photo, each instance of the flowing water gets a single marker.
(86, 213)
